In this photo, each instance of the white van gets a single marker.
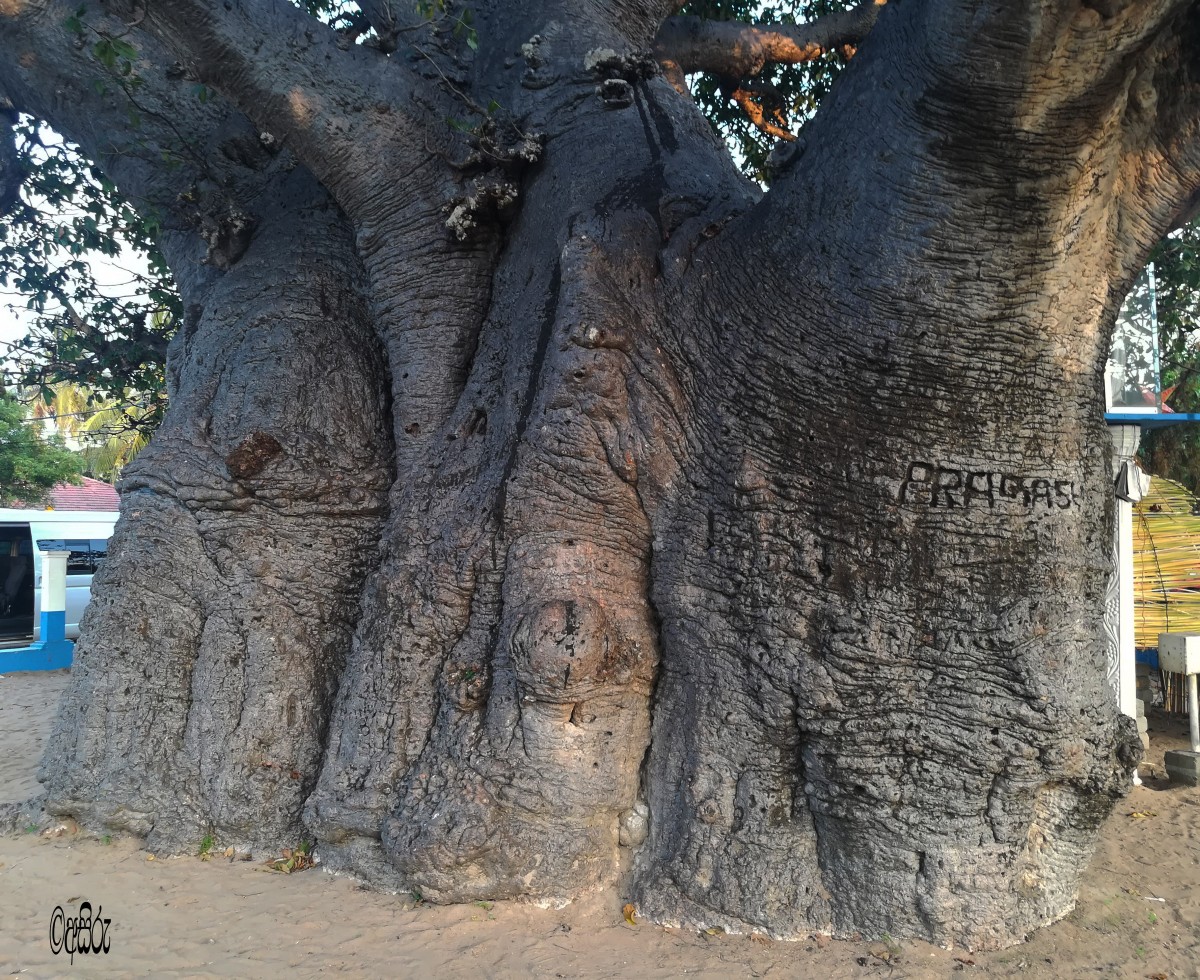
(86, 534)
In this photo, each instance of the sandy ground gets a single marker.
(1138, 913)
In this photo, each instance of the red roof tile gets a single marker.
(89, 495)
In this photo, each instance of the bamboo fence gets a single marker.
(1166, 573)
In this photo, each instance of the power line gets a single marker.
(78, 415)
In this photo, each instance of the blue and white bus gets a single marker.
(86, 534)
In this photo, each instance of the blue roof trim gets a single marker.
(1150, 420)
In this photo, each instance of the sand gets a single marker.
(27, 703)
(1138, 913)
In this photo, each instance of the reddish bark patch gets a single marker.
(252, 455)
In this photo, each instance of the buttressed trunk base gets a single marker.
(535, 487)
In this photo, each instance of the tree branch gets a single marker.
(1167, 98)
(738, 50)
(383, 16)
(12, 174)
(755, 112)
(337, 107)
(1058, 148)
(52, 74)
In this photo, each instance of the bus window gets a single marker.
(85, 555)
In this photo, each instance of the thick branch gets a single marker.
(337, 108)
(357, 120)
(744, 97)
(153, 141)
(383, 16)
(1167, 99)
(738, 50)
(1050, 136)
(11, 172)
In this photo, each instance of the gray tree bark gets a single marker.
(530, 482)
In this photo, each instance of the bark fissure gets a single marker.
(549, 317)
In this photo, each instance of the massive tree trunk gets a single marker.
(529, 487)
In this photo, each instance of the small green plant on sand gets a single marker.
(206, 845)
(298, 858)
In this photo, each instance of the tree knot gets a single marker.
(490, 151)
(491, 196)
(488, 200)
(618, 73)
(564, 650)
(634, 825)
(227, 236)
(632, 66)
(252, 455)
(535, 60)
(616, 93)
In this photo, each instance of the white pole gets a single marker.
(1194, 712)
(1127, 669)
(54, 596)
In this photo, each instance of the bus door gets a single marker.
(17, 580)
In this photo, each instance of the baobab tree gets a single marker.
(533, 484)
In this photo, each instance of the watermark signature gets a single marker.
(83, 933)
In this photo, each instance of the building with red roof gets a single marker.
(89, 495)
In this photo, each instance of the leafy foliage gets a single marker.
(106, 434)
(1177, 272)
(1174, 452)
(788, 93)
(338, 14)
(108, 336)
(29, 465)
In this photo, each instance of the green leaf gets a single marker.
(104, 52)
(29, 464)
(123, 49)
